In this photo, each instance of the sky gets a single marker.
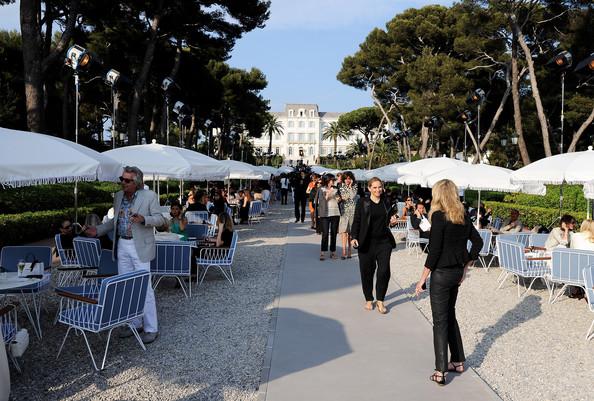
(302, 46)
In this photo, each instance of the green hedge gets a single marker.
(54, 197)
(573, 198)
(532, 215)
(22, 228)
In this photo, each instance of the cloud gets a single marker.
(333, 14)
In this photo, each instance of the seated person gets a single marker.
(409, 208)
(197, 202)
(417, 217)
(561, 236)
(66, 235)
(485, 216)
(585, 238)
(178, 222)
(513, 224)
(224, 231)
(92, 220)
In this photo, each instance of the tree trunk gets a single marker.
(153, 124)
(31, 45)
(424, 141)
(535, 93)
(477, 159)
(149, 54)
(580, 131)
(515, 77)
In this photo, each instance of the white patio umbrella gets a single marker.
(416, 173)
(483, 177)
(163, 161)
(388, 173)
(323, 170)
(28, 158)
(285, 169)
(244, 171)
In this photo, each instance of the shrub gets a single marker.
(573, 198)
(22, 228)
(532, 215)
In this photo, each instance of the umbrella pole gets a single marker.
(478, 209)
(154, 188)
(76, 201)
(181, 190)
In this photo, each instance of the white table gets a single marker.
(11, 280)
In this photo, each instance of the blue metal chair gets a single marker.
(588, 274)
(513, 262)
(172, 259)
(197, 231)
(566, 268)
(255, 212)
(88, 252)
(9, 325)
(522, 238)
(486, 236)
(121, 300)
(538, 240)
(9, 258)
(218, 257)
(197, 217)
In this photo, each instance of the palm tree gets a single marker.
(357, 148)
(334, 132)
(272, 127)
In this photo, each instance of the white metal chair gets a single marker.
(69, 268)
(9, 326)
(172, 260)
(414, 240)
(217, 257)
(486, 236)
(537, 240)
(588, 274)
(566, 269)
(120, 300)
(513, 262)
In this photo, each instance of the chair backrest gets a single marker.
(408, 223)
(88, 252)
(400, 208)
(10, 256)
(567, 265)
(196, 230)
(228, 210)
(511, 255)
(538, 240)
(172, 258)
(497, 223)
(122, 297)
(106, 263)
(522, 238)
(66, 257)
(255, 208)
(486, 236)
(232, 247)
(588, 274)
(197, 217)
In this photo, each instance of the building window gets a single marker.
(291, 124)
(291, 113)
(301, 113)
(301, 154)
(290, 151)
(277, 151)
(312, 124)
(301, 124)
(311, 151)
(311, 113)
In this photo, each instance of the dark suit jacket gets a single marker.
(448, 242)
(360, 227)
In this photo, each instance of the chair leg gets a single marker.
(135, 332)
(106, 348)
(156, 282)
(503, 279)
(13, 360)
(63, 341)
(183, 287)
(590, 333)
(204, 274)
(89, 349)
(561, 292)
(30, 315)
(529, 287)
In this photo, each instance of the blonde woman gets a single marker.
(447, 263)
(585, 238)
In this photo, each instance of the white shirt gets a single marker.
(285, 183)
(582, 241)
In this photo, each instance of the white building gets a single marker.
(303, 128)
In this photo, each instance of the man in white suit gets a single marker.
(136, 212)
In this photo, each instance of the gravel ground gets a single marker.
(211, 347)
(524, 348)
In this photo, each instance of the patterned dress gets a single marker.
(349, 200)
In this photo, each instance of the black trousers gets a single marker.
(329, 225)
(443, 292)
(300, 204)
(284, 192)
(376, 258)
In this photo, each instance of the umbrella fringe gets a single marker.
(46, 181)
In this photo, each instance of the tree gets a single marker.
(365, 120)
(273, 127)
(12, 105)
(333, 132)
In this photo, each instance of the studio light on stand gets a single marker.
(112, 79)
(562, 62)
(167, 86)
(465, 117)
(182, 112)
(477, 97)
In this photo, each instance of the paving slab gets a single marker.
(324, 346)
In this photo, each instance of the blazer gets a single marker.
(362, 218)
(147, 205)
(448, 242)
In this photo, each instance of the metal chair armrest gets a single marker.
(76, 297)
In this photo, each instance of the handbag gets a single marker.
(424, 225)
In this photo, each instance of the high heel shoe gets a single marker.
(438, 378)
(368, 305)
(457, 367)
(381, 308)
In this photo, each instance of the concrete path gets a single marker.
(325, 346)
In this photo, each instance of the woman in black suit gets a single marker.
(370, 233)
(447, 263)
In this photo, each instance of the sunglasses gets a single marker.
(66, 228)
(126, 180)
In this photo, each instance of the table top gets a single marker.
(11, 280)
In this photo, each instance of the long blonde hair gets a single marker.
(587, 228)
(446, 199)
